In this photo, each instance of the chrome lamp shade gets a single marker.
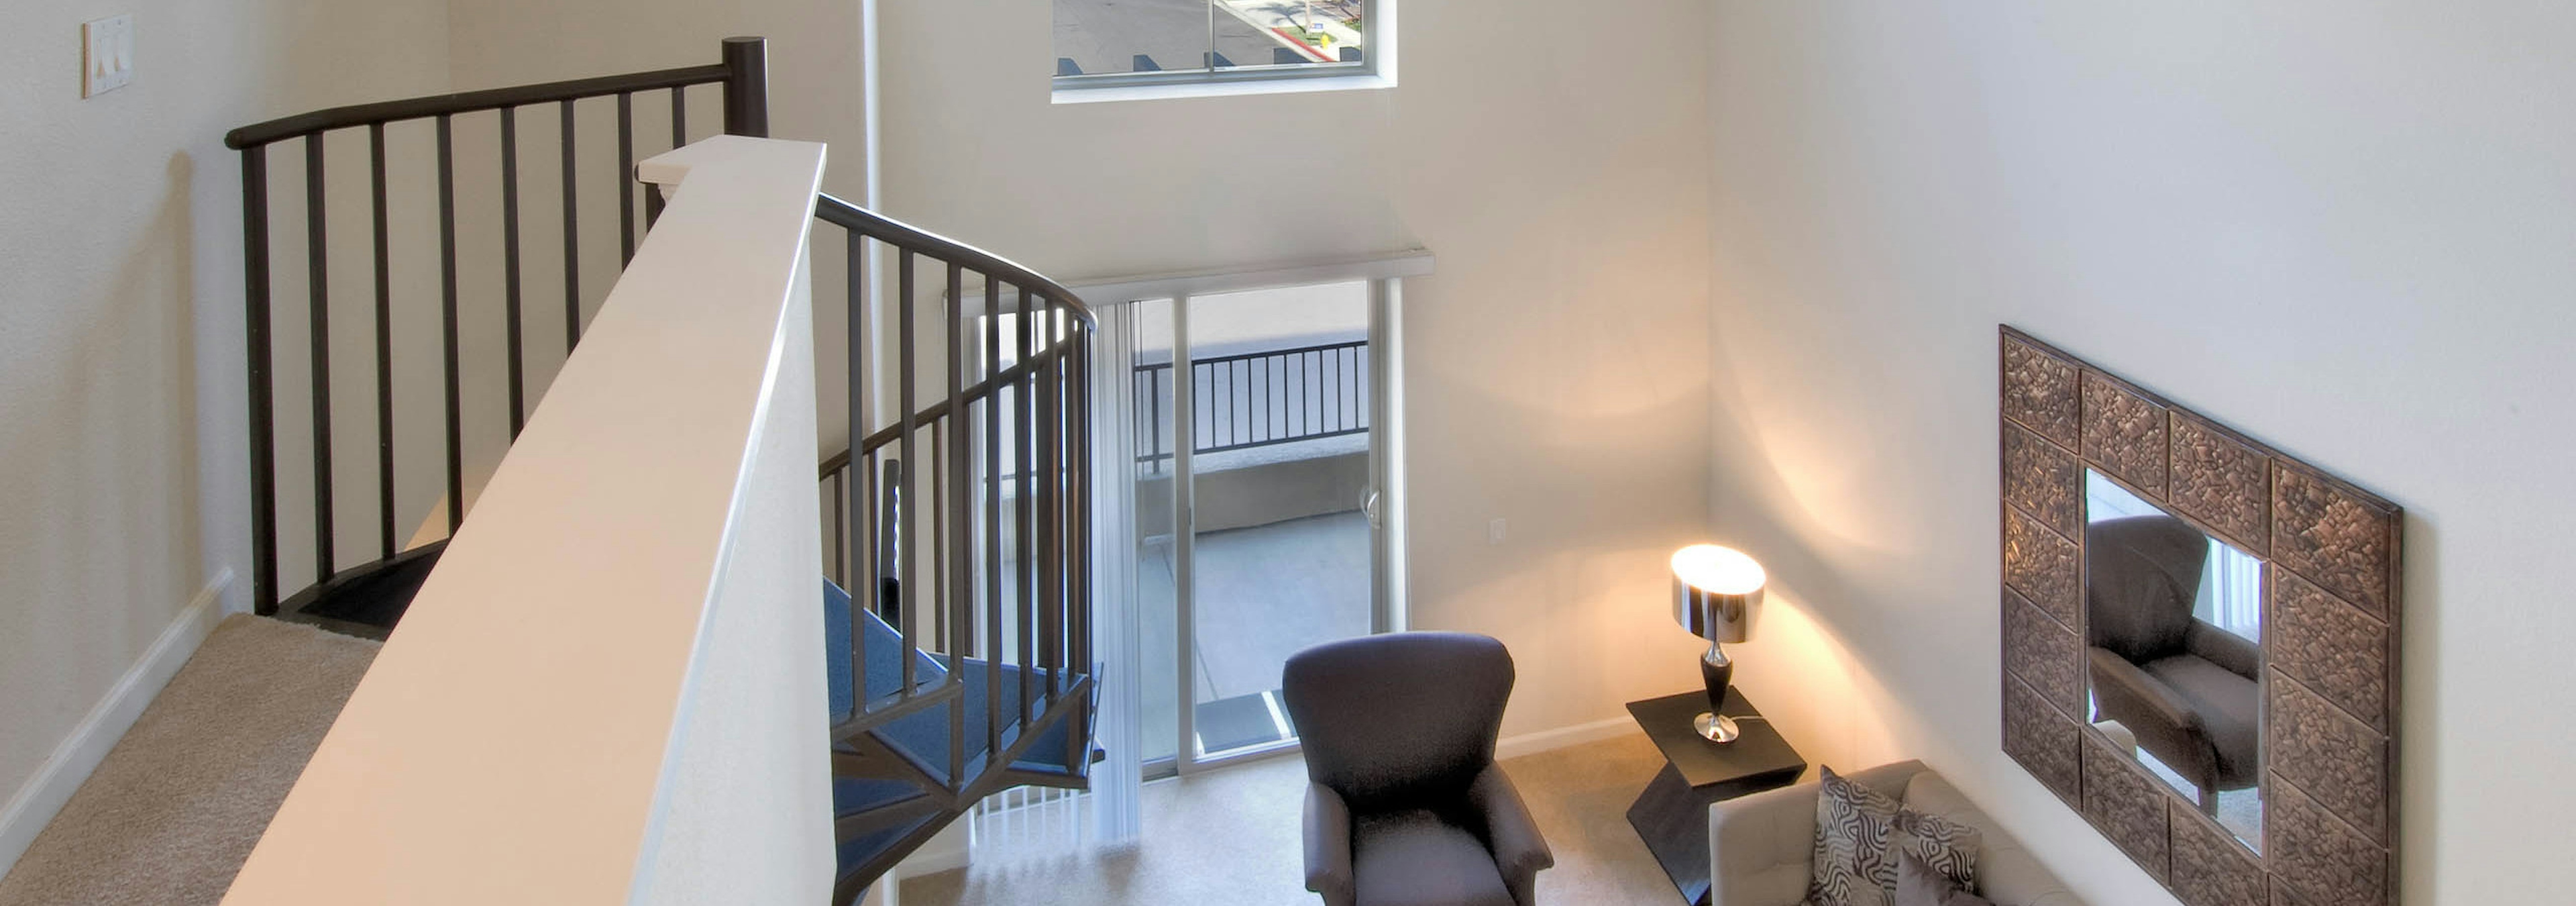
(1716, 593)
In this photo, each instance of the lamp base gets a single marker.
(1716, 727)
(1715, 670)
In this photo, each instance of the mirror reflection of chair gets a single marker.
(2187, 691)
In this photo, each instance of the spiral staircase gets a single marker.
(960, 506)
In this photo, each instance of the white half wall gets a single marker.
(610, 689)
(2340, 227)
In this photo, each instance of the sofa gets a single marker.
(1759, 846)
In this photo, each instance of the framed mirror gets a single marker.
(2198, 643)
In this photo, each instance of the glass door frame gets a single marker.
(1379, 501)
(1385, 275)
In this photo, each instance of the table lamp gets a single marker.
(1715, 593)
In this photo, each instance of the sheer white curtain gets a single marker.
(1117, 782)
(2235, 583)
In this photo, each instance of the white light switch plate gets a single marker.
(107, 54)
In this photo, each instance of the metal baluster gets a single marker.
(510, 266)
(862, 585)
(571, 236)
(937, 496)
(625, 178)
(1025, 418)
(1078, 735)
(992, 488)
(447, 316)
(867, 590)
(961, 446)
(909, 517)
(255, 332)
(316, 255)
(384, 347)
(1051, 535)
(679, 116)
(841, 538)
(1351, 387)
(1313, 365)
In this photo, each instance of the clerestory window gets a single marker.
(1116, 43)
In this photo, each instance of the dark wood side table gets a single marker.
(1672, 814)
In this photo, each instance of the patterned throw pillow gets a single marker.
(1918, 884)
(1942, 845)
(1861, 836)
(1854, 825)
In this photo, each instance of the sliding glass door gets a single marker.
(1260, 501)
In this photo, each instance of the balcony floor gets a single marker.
(1265, 593)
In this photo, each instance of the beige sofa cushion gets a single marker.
(1760, 845)
(2006, 873)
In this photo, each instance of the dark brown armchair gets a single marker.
(2189, 691)
(1405, 806)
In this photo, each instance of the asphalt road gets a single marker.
(1105, 36)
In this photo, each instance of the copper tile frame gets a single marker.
(2330, 650)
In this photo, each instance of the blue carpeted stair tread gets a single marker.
(885, 670)
(923, 734)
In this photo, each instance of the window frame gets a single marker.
(1373, 69)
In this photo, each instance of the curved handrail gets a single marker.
(924, 242)
(462, 102)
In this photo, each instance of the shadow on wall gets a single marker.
(1582, 596)
(1827, 701)
(1813, 662)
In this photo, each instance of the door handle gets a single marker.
(1368, 505)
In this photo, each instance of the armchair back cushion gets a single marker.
(1399, 721)
(2143, 573)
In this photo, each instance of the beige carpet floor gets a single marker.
(174, 809)
(1231, 837)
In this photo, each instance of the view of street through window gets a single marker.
(1101, 37)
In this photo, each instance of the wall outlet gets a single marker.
(1494, 531)
(107, 54)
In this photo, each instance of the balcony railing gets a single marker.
(1257, 399)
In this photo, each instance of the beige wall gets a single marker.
(816, 93)
(2341, 227)
(122, 456)
(1555, 364)
(1557, 375)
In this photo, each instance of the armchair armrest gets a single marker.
(1328, 846)
(1519, 851)
(2238, 654)
(2116, 676)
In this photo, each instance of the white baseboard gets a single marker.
(1544, 740)
(36, 801)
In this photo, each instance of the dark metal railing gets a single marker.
(1257, 399)
(962, 504)
(743, 78)
(997, 568)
